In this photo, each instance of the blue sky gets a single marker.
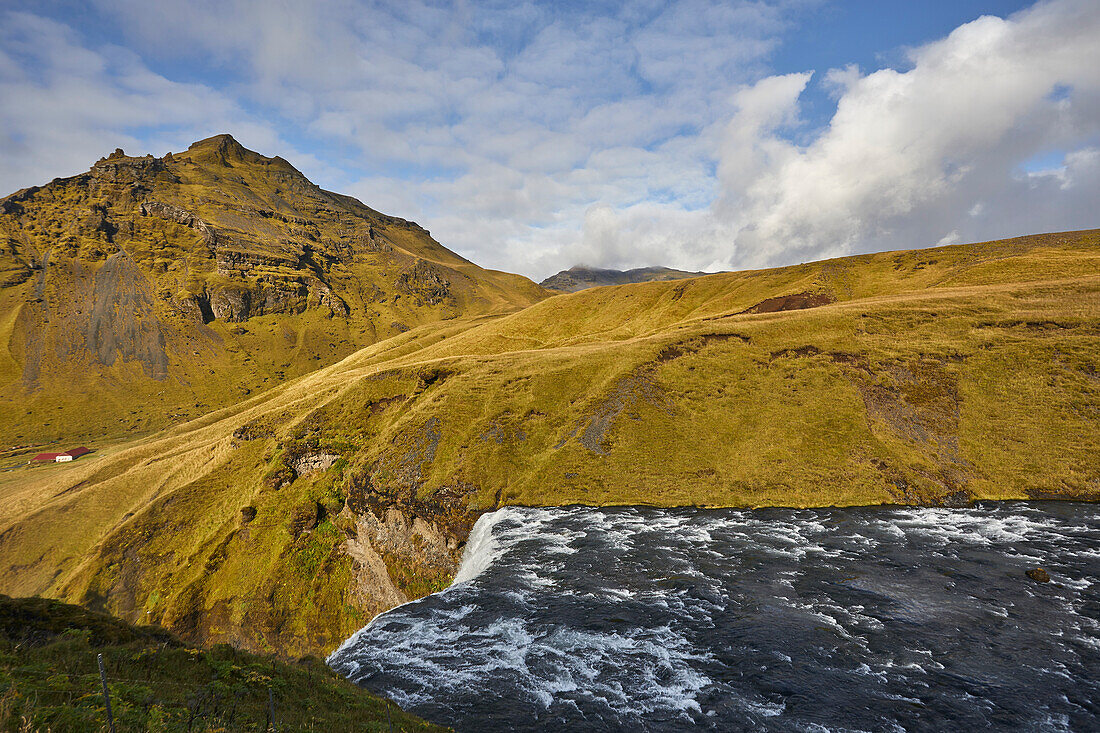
(534, 136)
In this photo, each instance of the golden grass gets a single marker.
(944, 375)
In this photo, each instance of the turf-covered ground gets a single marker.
(284, 522)
(49, 681)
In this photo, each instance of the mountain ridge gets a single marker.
(581, 277)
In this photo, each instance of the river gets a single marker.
(642, 619)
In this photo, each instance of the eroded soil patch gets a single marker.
(793, 302)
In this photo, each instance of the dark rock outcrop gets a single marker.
(792, 302)
(425, 282)
(123, 321)
(237, 303)
(1039, 575)
(180, 216)
(235, 263)
(195, 308)
(119, 168)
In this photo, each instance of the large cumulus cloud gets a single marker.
(939, 152)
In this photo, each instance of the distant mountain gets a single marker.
(581, 277)
(153, 289)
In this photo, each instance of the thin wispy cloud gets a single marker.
(534, 136)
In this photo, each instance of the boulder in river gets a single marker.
(1038, 575)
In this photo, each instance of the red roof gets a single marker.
(46, 456)
(77, 452)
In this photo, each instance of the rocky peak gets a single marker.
(224, 143)
(223, 150)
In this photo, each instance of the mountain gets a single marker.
(150, 290)
(580, 277)
(285, 522)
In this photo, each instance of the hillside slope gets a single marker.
(581, 277)
(936, 376)
(49, 681)
(153, 289)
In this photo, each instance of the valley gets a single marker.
(284, 518)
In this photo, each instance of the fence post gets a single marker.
(106, 693)
(271, 710)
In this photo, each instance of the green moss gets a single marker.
(315, 550)
(49, 679)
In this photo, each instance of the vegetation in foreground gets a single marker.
(49, 681)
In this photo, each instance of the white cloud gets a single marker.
(533, 136)
(515, 118)
(909, 155)
(952, 237)
(66, 105)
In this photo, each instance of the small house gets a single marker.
(61, 457)
(72, 454)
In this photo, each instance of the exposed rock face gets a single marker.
(96, 221)
(119, 168)
(194, 308)
(331, 300)
(373, 585)
(266, 287)
(180, 216)
(425, 281)
(122, 320)
(238, 303)
(374, 241)
(399, 556)
(308, 463)
(232, 303)
(231, 263)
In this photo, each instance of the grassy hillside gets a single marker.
(285, 522)
(148, 291)
(49, 680)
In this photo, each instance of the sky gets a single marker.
(533, 136)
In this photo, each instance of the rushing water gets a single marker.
(807, 620)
